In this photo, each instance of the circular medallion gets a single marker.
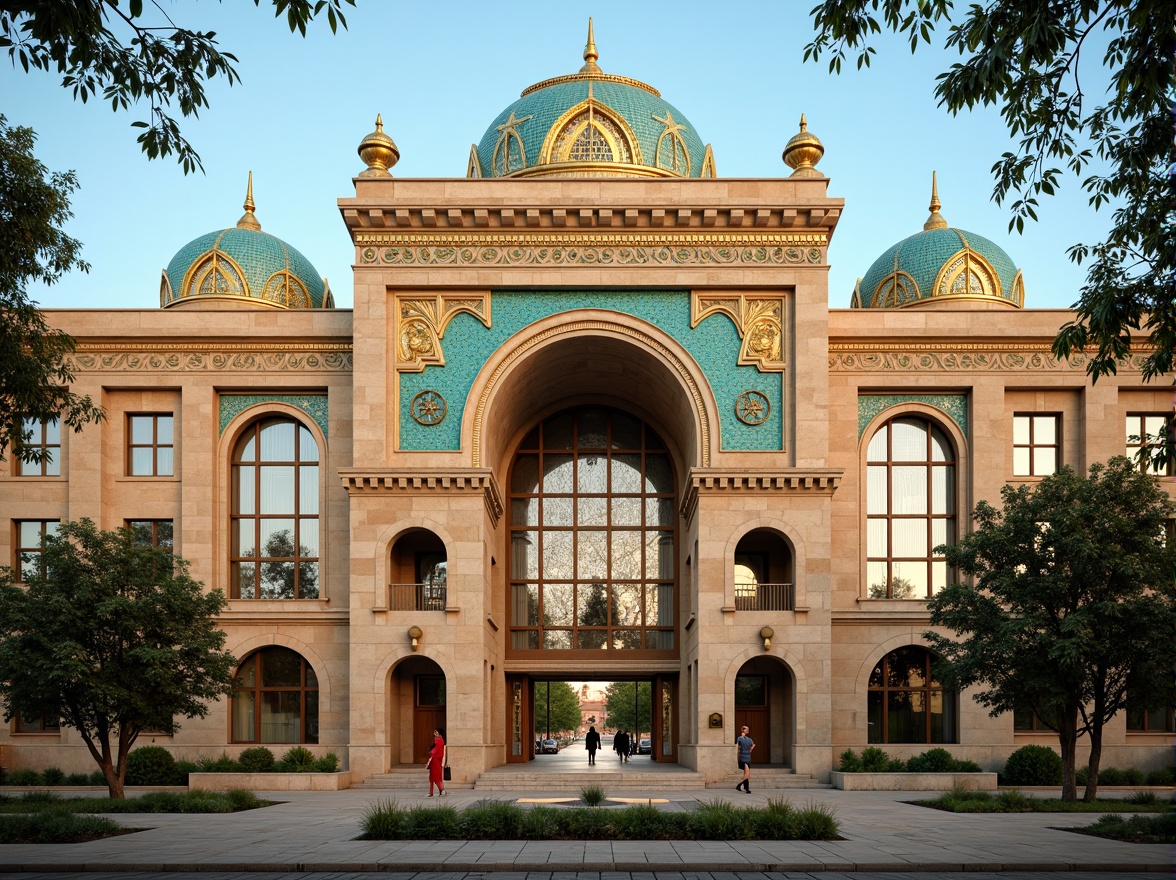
(428, 408)
(752, 408)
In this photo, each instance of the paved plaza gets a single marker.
(314, 835)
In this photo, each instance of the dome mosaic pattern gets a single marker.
(591, 124)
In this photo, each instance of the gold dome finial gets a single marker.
(378, 152)
(248, 221)
(935, 221)
(590, 53)
(803, 151)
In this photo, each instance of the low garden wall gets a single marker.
(271, 781)
(913, 781)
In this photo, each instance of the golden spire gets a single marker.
(378, 152)
(935, 221)
(803, 151)
(248, 221)
(590, 53)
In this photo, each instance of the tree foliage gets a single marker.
(113, 638)
(1031, 60)
(626, 708)
(35, 370)
(1070, 597)
(111, 51)
(559, 715)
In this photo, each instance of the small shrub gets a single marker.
(328, 763)
(430, 823)
(642, 822)
(257, 760)
(150, 765)
(223, 764)
(1115, 776)
(53, 776)
(78, 779)
(24, 777)
(54, 827)
(382, 821)
(1143, 799)
(592, 795)
(1014, 802)
(718, 820)
(241, 799)
(1162, 776)
(39, 800)
(492, 820)
(850, 762)
(588, 825)
(297, 760)
(777, 821)
(1135, 829)
(546, 823)
(182, 770)
(816, 822)
(932, 761)
(97, 778)
(1033, 765)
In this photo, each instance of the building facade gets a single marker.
(590, 418)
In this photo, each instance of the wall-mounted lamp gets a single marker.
(415, 633)
(766, 634)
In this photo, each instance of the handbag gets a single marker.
(446, 774)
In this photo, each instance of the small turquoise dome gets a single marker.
(591, 124)
(244, 263)
(940, 264)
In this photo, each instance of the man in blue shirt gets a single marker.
(744, 744)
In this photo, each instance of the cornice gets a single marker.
(416, 481)
(523, 218)
(708, 481)
(211, 356)
(949, 356)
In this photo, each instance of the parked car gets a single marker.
(550, 747)
(644, 747)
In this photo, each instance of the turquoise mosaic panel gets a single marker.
(314, 405)
(954, 406)
(714, 344)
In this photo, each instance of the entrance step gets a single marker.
(771, 778)
(630, 779)
(406, 779)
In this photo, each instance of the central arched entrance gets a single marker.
(592, 564)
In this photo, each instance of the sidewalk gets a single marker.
(316, 831)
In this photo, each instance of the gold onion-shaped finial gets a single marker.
(935, 221)
(248, 221)
(378, 152)
(803, 151)
(590, 53)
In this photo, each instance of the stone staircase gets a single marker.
(413, 780)
(628, 780)
(770, 779)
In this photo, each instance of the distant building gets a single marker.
(590, 418)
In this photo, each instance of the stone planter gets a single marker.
(271, 781)
(913, 781)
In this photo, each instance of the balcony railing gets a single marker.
(416, 597)
(764, 597)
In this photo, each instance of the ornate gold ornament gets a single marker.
(428, 408)
(378, 152)
(502, 160)
(752, 408)
(422, 321)
(803, 151)
(678, 159)
(759, 322)
(253, 357)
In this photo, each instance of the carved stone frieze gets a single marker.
(759, 321)
(416, 481)
(213, 357)
(421, 322)
(969, 357)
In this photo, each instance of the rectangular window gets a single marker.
(150, 445)
(39, 724)
(30, 533)
(44, 440)
(1037, 444)
(1026, 720)
(152, 532)
(1151, 431)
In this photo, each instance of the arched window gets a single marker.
(276, 700)
(906, 705)
(910, 508)
(592, 532)
(275, 512)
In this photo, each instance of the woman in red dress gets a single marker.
(436, 763)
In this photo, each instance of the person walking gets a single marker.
(592, 743)
(621, 746)
(744, 745)
(436, 763)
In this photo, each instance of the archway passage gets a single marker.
(416, 706)
(765, 701)
(641, 710)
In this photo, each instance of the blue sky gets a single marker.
(440, 72)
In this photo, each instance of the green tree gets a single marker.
(35, 371)
(559, 715)
(1070, 596)
(113, 638)
(620, 710)
(112, 51)
(1030, 59)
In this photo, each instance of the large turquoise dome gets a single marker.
(243, 263)
(591, 124)
(940, 264)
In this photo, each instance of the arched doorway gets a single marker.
(765, 701)
(416, 705)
